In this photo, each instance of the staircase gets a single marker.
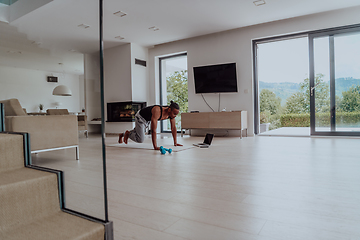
(29, 200)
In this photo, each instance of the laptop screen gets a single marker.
(208, 138)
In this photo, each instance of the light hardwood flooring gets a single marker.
(257, 188)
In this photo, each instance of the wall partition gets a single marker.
(44, 48)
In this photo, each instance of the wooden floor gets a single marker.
(257, 188)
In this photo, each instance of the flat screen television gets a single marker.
(218, 78)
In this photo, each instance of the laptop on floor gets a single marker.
(207, 141)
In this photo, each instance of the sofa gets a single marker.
(50, 132)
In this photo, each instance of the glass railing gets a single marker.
(40, 57)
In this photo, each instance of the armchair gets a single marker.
(82, 119)
(47, 133)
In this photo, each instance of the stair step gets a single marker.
(11, 152)
(29, 201)
(27, 195)
(60, 226)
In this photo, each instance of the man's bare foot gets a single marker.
(126, 137)
(120, 138)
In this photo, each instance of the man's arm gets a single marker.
(174, 131)
(154, 119)
(153, 132)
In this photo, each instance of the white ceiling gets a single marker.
(55, 25)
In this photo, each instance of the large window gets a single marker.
(323, 100)
(174, 85)
(335, 109)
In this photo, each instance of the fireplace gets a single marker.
(123, 111)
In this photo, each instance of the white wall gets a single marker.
(82, 91)
(117, 72)
(236, 46)
(92, 89)
(124, 81)
(139, 74)
(31, 88)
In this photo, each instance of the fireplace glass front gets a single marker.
(123, 111)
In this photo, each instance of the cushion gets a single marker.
(12, 107)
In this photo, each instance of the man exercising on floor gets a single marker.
(151, 115)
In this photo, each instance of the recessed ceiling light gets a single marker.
(259, 2)
(119, 37)
(120, 14)
(154, 28)
(72, 50)
(83, 26)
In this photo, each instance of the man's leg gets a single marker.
(126, 136)
(138, 133)
(121, 135)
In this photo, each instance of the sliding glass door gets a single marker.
(335, 82)
(173, 86)
(283, 80)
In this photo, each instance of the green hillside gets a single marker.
(282, 90)
(343, 84)
(286, 89)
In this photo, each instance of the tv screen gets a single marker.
(215, 78)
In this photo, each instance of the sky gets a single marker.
(288, 60)
(175, 64)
